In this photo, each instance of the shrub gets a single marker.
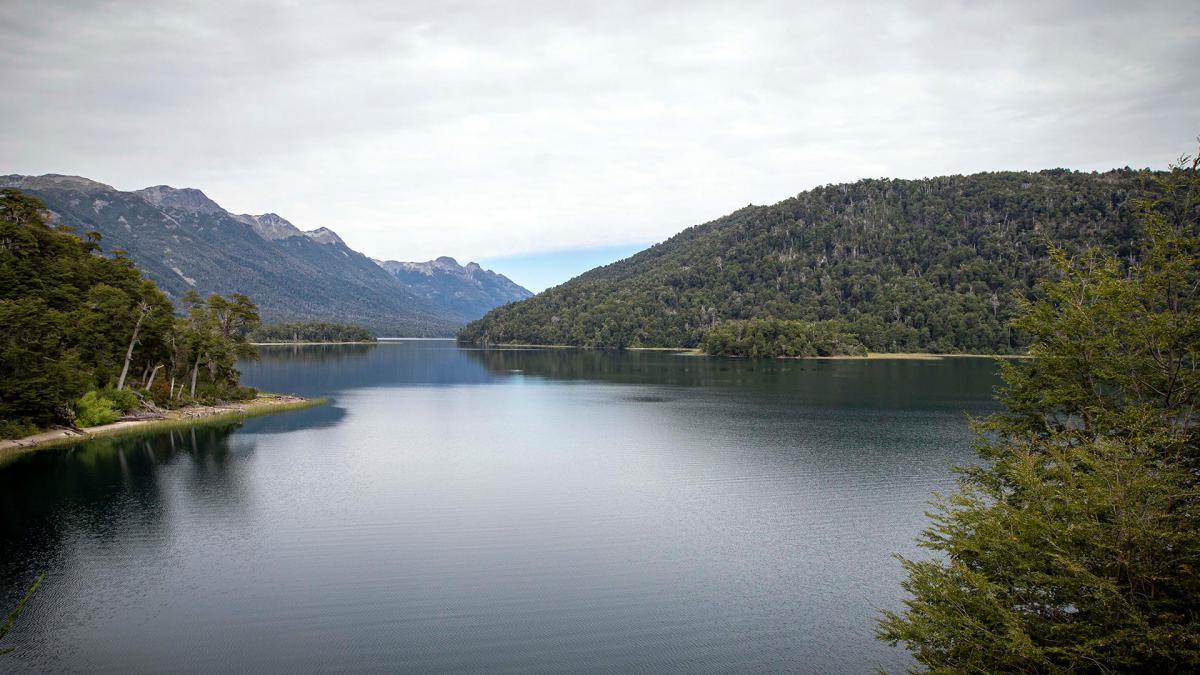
(124, 400)
(93, 408)
(210, 393)
(16, 428)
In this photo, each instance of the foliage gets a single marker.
(1075, 546)
(16, 428)
(907, 265)
(93, 409)
(312, 332)
(75, 320)
(12, 616)
(777, 338)
(102, 406)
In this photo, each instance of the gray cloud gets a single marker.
(488, 128)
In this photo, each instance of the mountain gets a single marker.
(908, 265)
(468, 291)
(183, 240)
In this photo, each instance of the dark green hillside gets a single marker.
(909, 265)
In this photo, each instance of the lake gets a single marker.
(460, 509)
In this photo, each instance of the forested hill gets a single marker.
(908, 265)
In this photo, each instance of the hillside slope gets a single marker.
(920, 265)
(183, 240)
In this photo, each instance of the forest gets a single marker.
(781, 339)
(311, 331)
(87, 338)
(936, 265)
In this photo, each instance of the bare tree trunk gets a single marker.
(143, 310)
(195, 372)
(150, 380)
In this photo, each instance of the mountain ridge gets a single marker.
(469, 289)
(184, 240)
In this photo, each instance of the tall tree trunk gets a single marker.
(143, 309)
(195, 372)
(150, 380)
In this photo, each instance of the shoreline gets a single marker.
(264, 404)
(693, 351)
(302, 343)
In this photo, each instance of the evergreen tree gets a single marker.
(1075, 546)
(77, 320)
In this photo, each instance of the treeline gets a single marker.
(311, 332)
(87, 338)
(777, 338)
(907, 265)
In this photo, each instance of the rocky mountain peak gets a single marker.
(54, 181)
(324, 235)
(271, 226)
(184, 199)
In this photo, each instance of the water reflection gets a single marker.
(492, 510)
(322, 370)
(850, 383)
(110, 490)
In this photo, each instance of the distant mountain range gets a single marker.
(467, 291)
(183, 240)
(907, 265)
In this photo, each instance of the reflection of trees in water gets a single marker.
(633, 367)
(104, 487)
(313, 353)
(320, 370)
(853, 382)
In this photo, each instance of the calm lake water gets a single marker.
(495, 510)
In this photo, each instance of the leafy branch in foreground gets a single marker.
(12, 616)
(1075, 547)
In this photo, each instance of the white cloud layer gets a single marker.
(483, 129)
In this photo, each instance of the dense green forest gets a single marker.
(908, 265)
(87, 337)
(313, 331)
(1073, 544)
(776, 338)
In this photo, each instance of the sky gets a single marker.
(537, 134)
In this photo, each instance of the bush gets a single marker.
(93, 409)
(124, 400)
(16, 428)
(210, 394)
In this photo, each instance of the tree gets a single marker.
(143, 308)
(77, 320)
(1075, 546)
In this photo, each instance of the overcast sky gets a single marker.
(490, 129)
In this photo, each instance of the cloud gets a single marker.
(485, 129)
